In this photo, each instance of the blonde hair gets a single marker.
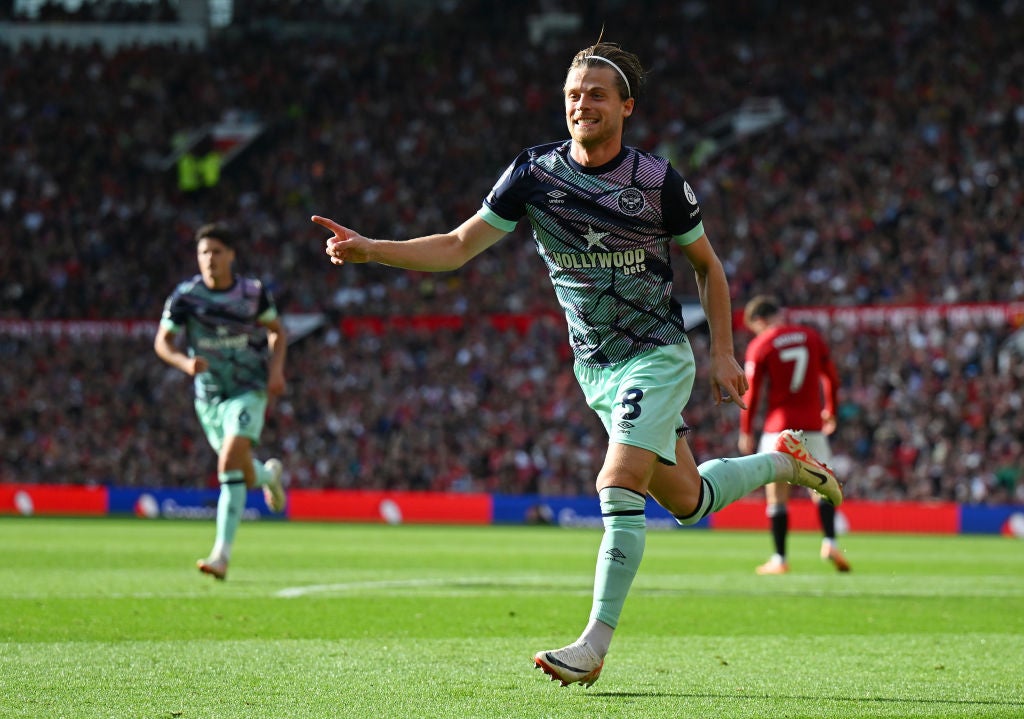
(630, 71)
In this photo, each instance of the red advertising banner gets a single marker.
(521, 323)
(390, 507)
(888, 318)
(911, 517)
(863, 318)
(46, 499)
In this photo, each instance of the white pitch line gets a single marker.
(581, 585)
(292, 592)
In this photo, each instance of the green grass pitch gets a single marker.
(109, 618)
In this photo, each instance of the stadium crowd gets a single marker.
(893, 179)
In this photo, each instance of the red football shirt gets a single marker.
(792, 367)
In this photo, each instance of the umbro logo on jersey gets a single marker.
(557, 197)
(625, 425)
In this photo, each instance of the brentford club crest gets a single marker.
(631, 201)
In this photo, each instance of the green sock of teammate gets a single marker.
(230, 507)
(622, 547)
(723, 481)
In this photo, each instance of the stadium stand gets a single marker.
(891, 178)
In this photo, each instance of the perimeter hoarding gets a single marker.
(478, 508)
(53, 499)
(182, 504)
(858, 516)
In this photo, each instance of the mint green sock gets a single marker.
(622, 547)
(230, 507)
(262, 475)
(731, 479)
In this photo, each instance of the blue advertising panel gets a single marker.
(181, 504)
(996, 519)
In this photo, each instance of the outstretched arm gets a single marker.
(432, 253)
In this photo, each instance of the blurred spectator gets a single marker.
(478, 409)
(895, 178)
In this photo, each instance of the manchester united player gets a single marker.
(791, 367)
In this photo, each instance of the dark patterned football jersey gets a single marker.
(605, 236)
(224, 326)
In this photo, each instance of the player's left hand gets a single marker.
(828, 422)
(276, 384)
(728, 381)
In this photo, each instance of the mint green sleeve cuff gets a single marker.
(495, 220)
(690, 237)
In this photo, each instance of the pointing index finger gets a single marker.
(328, 223)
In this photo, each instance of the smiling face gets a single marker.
(595, 112)
(215, 262)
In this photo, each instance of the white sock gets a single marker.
(598, 635)
(785, 466)
(221, 550)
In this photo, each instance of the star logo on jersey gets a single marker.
(594, 238)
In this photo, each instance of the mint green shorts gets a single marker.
(240, 416)
(640, 401)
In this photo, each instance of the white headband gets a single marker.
(629, 91)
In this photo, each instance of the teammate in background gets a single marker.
(229, 321)
(792, 367)
(604, 218)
